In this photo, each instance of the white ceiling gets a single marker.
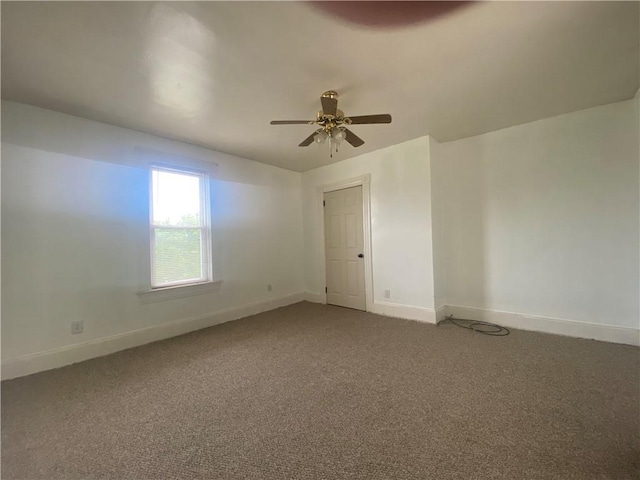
(214, 74)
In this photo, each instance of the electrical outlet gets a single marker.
(269, 288)
(77, 327)
(387, 294)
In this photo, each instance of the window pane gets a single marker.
(176, 199)
(177, 255)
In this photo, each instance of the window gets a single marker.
(180, 230)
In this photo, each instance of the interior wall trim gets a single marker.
(557, 326)
(535, 323)
(59, 357)
(409, 312)
(441, 313)
(365, 182)
(315, 297)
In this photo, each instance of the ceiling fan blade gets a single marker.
(382, 118)
(352, 138)
(291, 122)
(329, 105)
(309, 140)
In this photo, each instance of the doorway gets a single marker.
(344, 248)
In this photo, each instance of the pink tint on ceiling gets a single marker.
(387, 14)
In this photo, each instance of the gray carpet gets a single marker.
(319, 392)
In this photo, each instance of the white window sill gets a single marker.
(178, 291)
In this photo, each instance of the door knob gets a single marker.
(360, 255)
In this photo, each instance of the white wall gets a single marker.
(540, 219)
(75, 232)
(543, 218)
(439, 250)
(400, 223)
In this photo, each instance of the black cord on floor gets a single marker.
(478, 326)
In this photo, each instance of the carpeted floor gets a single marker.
(318, 392)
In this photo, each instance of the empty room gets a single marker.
(320, 240)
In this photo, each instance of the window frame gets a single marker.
(205, 228)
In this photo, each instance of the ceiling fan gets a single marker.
(333, 124)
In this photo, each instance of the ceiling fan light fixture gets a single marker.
(338, 134)
(333, 124)
(321, 137)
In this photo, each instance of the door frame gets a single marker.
(365, 182)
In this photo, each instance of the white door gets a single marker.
(344, 248)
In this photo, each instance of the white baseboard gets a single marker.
(315, 297)
(59, 357)
(441, 313)
(387, 309)
(558, 326)
(408, 312)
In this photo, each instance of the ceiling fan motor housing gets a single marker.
(339, 116)
(333, 123)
